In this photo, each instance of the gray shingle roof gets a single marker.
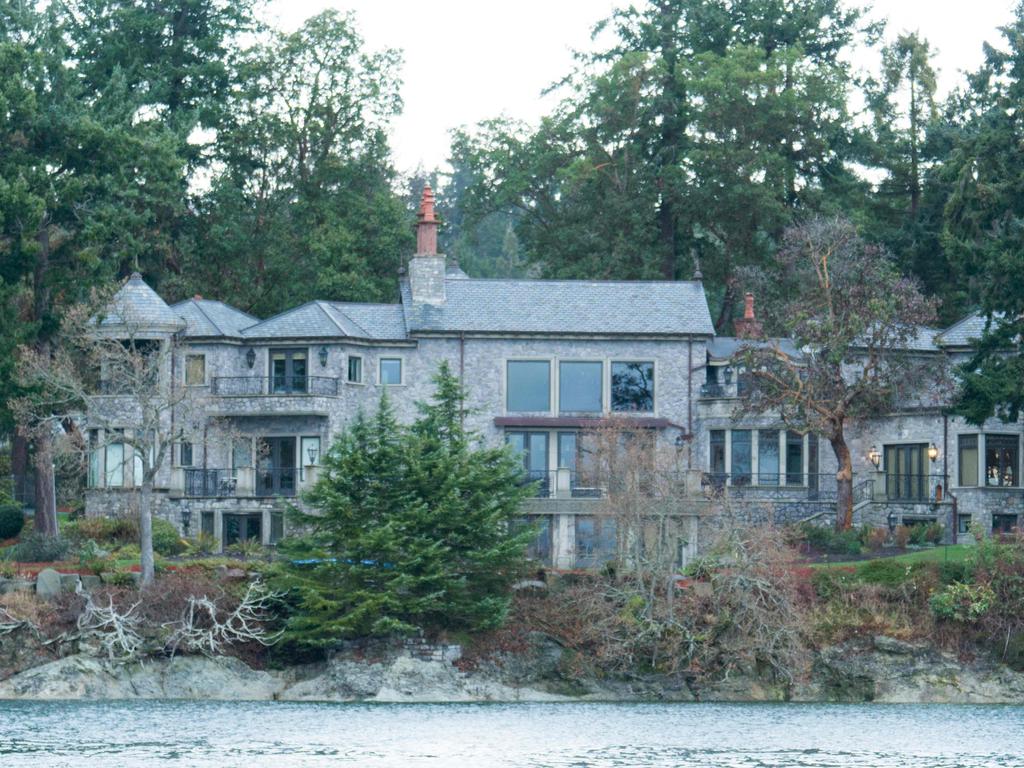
(564, 306)
(963, 333)
(724, 348)
(204, 317)
(325, 319)
(136, 304)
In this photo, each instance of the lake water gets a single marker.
(280, 735)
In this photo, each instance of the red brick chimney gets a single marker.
(426, 226)
(427, 267)
(748, 327)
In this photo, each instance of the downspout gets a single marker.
(689, 401)
(462, 380)
(945, 473)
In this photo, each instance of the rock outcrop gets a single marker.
(880, 669)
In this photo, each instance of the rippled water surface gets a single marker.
(278, 735)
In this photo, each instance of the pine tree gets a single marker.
(411, 529)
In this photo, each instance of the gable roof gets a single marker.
(965, 332)
(325, 319)
(563, 306)
(204, 317)
(137, 305)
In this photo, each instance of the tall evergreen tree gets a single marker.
(412, 529)
(985, 224)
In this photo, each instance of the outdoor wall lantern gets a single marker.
(314, 454)
(728, 374)
(323, 357)
(186, 518)
(874, 456)
(933, 451)
(250, 357)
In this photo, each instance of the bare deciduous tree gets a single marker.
(114, 383)
(857, 323)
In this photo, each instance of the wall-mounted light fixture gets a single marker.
(933, 451)
(250, 357)
(874, 456)
(323, 357)
(728, 374)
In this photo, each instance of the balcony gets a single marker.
(263, 386)
(242, 482)
(561, 484)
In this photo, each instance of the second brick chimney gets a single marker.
(427, 267)
(748, 327)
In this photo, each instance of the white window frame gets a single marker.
(362, 369)
(401, 363)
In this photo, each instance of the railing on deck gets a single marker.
(210, 482)
(256, 386)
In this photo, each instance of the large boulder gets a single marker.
(48, 584)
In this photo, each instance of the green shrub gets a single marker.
(934, 532)
(92, 558)
(121, 579)
(885, 571)
(110, 531)
(202, 544)
(36, 548)
(830, 582)
(826, 539)
(964, 603)
(12, 520)
(953, 570)
(918, 534)
(249, 548)
(166, 539)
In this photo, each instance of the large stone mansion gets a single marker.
(545, 362)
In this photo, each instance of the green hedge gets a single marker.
(12, 520)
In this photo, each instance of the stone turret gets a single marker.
(427, 267)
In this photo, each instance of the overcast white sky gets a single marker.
(469, 60)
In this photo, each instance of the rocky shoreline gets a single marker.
(878, 669)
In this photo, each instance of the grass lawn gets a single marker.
(955, 553)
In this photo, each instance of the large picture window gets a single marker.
(905, 473)
(579, 387)
(968, 460)
(741, 457)
(1002, 457)
(768, 457)
(633, 386)
(794, 458)
(528, 385)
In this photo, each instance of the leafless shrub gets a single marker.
(117, 629)
(208, 628)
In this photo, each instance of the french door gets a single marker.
(288, 371)
(276, 468)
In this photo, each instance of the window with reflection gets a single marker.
(1002, 457)
(633, 386)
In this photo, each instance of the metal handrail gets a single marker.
(254, 386)
(210, 482)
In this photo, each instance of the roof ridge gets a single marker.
(207, 316)
(320, 305)
(597, 281)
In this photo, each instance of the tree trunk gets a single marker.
(45, 522)
(146, 532)
(19, 466)
(844, 482)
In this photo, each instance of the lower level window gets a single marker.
(1002, 457)
(963, 524)
(1003, 523)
